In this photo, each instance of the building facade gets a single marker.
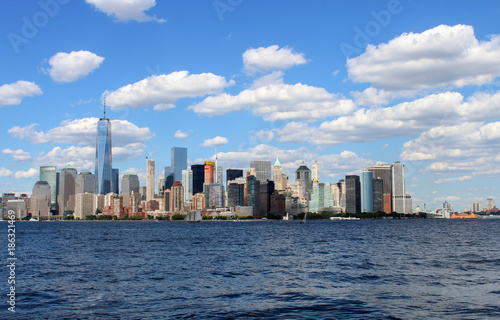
(103, 157)
(353, 194)
(366, 191)
(262, 169)
(150, 180)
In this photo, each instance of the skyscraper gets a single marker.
(366, 191)
(103, 156)
(303, 175)
(198, 177)
(278, 175)
(262, 169)
(49, 174)
(353, 194)
(187, 182)
(315, 171)
(178, 161)
(490, 203)
(41, 200)
(177, 197)
(67, 183)
(235, 194)
(85, 182)
(209, 172)
(150, 180)
(398, 187)
(130, 182)
(253, 195)
(378, 195)
(384, 171)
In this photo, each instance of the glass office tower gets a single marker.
(103, 157)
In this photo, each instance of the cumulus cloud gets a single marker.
(82, 132)
(126, 10)
(448, 198)
(70, 67)
(12, 94)
(217, 141)
(456, 179)
(18, 155)
(271, 58)
(29, 174)
(163, 90)
(279, 101)
(83, 157)
(440, 57)
(405, 119)
(4, 172)
(465, 147)
(181, 134)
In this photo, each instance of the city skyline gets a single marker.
(299, 83)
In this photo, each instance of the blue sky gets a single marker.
(345, 83)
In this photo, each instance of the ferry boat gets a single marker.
(463, 216)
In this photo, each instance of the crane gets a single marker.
(147, 157)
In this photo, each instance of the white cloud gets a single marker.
(4, 172)
(12, 94)
(436, 58)
(126, 10)
(271, 58)
(456, 179)
(79, 157)
(163, 90)
(18, 155)
(448, 198)
(181, 134)
(82, 132)
(83, 157)
(163, 106)
(375, 97)
(69, 67)
(276, 102)
(405, 119)
(217, 141)
(470, 147)
(29, 174)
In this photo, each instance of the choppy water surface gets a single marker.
(408, 269)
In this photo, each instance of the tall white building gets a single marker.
(150, 180)
(401, 202)
(187, 182)
(315, 171)
(489, 203)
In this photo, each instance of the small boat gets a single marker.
(33, 219)
(193, 216)
(288, 217)
(304, 220)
